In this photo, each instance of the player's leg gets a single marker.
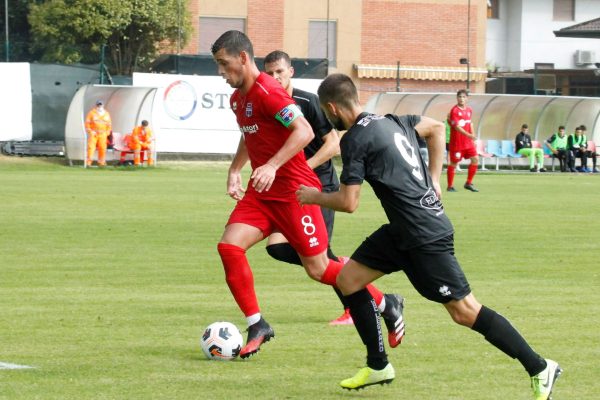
(455, 158)
(279, 248)
(439, 277)
(353, 281)
(247, 226)
(472, 155)
(305, 229)
(498, 331)
(329, 219)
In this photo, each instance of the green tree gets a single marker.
(18, 31)
(134, 31)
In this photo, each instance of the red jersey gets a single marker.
(263, 116)
(460, 117)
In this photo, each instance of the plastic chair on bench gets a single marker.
(493, 147)
(480, 145)
(508, 149)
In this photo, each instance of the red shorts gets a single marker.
(457, 155)
(302, 226)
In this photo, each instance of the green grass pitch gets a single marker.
(108, 277)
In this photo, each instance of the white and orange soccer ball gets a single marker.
(221, 341)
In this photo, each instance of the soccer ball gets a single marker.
(221, 341)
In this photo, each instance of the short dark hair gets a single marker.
(277, 55)
(234, 42)
(339, 89)
(144, 122)
(462, 91)
(561, 127)
(524, 126)
(583, 127)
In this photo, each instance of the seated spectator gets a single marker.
(577, 148)
(589, 153)
(140, 142)
(557, 144)
(523, 147)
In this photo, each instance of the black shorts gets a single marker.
(431, 268)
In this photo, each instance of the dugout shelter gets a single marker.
(127, 105)
(500, 116)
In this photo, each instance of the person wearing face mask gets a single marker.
(98, 127)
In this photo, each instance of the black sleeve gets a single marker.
(314, 115)
(353, 160)
(551, 139)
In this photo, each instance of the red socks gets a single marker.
(471, 173)
(239, 277)
(330, 275)
(450, 175)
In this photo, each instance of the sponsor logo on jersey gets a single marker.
(431, 201)
(313, 242)
(248, 110)
(250, 129)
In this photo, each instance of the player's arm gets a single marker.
(235, 189)
(464, 132)
(329, 149)
(346, 199)
(454, 121)
(301, 135)
(434, 133)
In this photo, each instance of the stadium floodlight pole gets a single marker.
(6, 41)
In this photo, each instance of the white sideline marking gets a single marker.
(4, 365)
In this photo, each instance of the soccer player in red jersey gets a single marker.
(274, 134)
(462, 141)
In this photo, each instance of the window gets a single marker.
(212, 27)
(322, 40)
(564, 10)
(493, 9)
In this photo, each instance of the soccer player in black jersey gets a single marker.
(418, 239)
(318, 153)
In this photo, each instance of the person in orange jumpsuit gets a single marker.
(140, 142)
(98, 126)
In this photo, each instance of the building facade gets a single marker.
(522, 47)
(521, 34)
(384, 45)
